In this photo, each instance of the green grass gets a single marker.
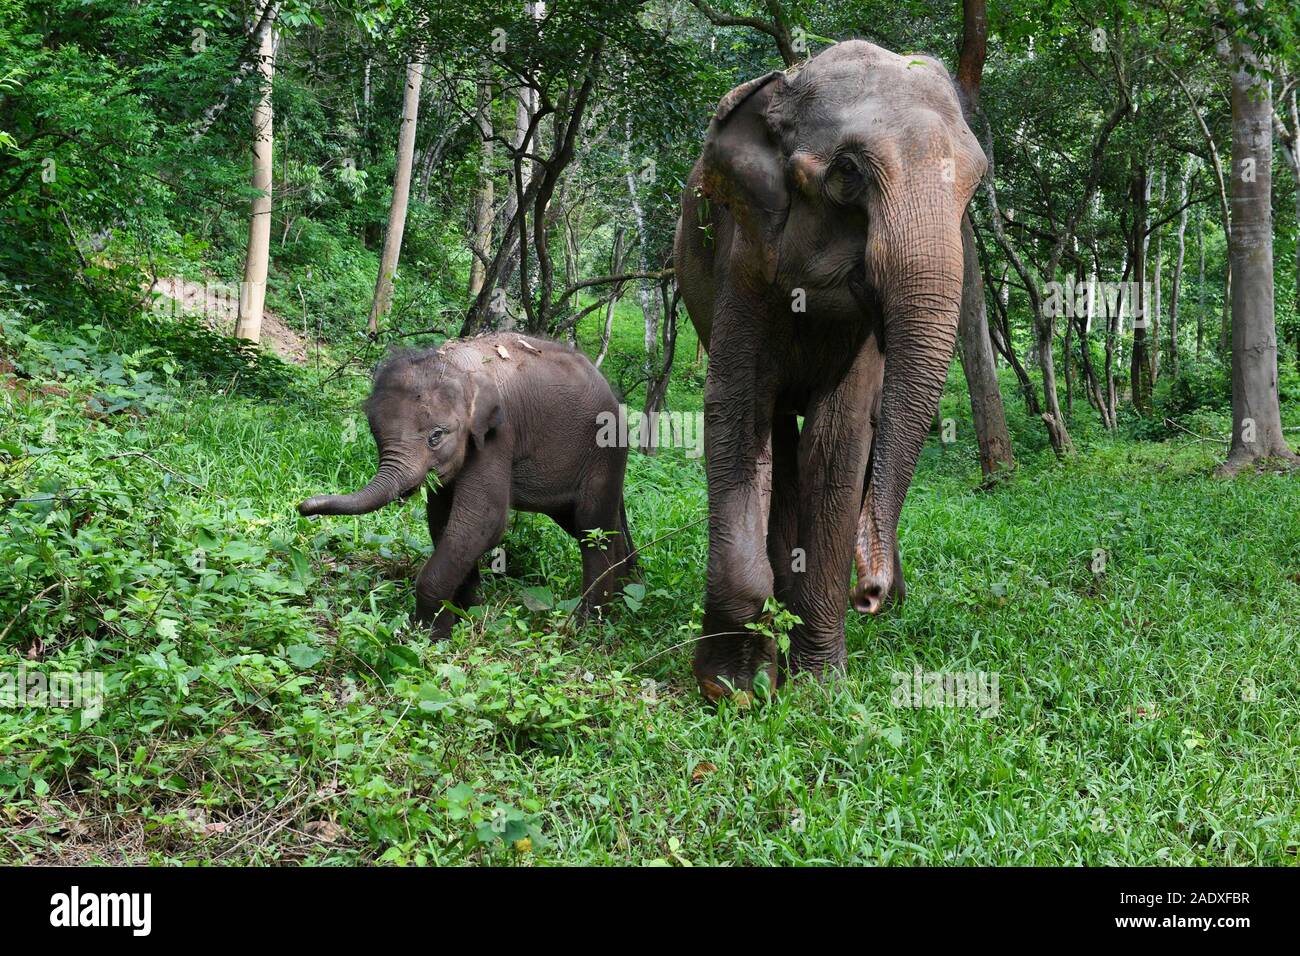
(268, 699)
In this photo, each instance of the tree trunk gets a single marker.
(1225, 325)
(1288, 138)
(977, 358)
(1091, 387)
(1067, 360)
(1200, 283)
(535, 200)
(252, 297)
(1084, 323)
(977, 362)
(1139, 361)
(1052, 417)
(1003, 339)
(656, 390)
(1256, 416)
(615, 269)
(1153, 319)
(480, 243)
(526, 105)
(645, 291)
(1114, 326)
(1217, 165)
(1184, 185)
(401, 194)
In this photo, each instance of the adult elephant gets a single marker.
(819, 254)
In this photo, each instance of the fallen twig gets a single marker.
(147, 457)
(23, 610)
(1219, 441)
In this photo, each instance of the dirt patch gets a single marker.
(217, 305)
(28, 391)
(10, 379)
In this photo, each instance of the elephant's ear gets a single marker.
(743, 166)
(485, 413)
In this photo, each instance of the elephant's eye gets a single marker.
(845, 179)
(844, 166)
(436, 436)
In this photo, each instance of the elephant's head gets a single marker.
(848, 179)
(424, 412)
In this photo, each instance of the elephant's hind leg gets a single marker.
(599, 525)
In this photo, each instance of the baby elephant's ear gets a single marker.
(485, 413)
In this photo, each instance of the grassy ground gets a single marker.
(267, 699)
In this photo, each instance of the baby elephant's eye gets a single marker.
(435, 437)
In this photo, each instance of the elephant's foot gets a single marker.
(438, 620)
(594, 612)
(823, 659)
(726, 663)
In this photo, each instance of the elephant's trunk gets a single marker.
(921, 304)
(391, 482)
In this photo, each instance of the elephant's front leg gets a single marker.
(439, 511)
(471, 522)
(833, 451)
(738, 406)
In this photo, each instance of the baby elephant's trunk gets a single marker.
(389, 484)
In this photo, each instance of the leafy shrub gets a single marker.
(1204, 383)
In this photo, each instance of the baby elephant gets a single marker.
(504, 421)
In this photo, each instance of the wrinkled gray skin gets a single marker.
(499, 433)
(846, 180)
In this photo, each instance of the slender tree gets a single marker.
(480, 244)
(401, 193)
(1175, 289)
(1140, 359)
(1288, 139)
(252, 294)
